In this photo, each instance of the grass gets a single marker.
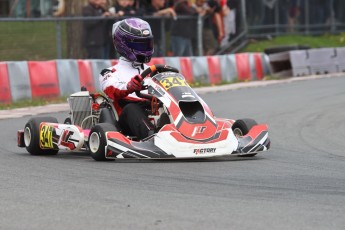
(326, 40)
(34, 102)
(30, 40)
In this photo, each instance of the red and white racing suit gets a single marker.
(114, 80)
(132, 116)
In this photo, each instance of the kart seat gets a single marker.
(163, 120)
(107, 116)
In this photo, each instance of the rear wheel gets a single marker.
(98, 140)
(241, 127)
(32, 136)
(68, 121)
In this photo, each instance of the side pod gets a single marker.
(256, 140)
(61, 136)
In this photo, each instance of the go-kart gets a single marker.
(185, 126)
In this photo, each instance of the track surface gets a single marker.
(298, 184)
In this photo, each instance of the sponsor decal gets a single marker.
(167, 73)
(206, 150)
(106, 77)
(110, 153)
(171, 82)
(184, 95)
(65, 139)
(146, 32)
(198, 130)
(46, 137)
(159, 90)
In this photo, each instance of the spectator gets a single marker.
(229, 22)
(183, 30)
(235, 9)
(157, 8)
(18, 9)
(127, 8)
(320, 12)
(120, 7)
(35, 11)
(293, 14)
(94, 30)
(58, 8)
(269, 15)
(23, 8)
(210, 10)
(108, 50)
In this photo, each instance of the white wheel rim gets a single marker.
(238, 132)
(27, 136)
(94, 142)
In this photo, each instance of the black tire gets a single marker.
(68, 121)
(98, 141)
(241, 127)
(32, 136)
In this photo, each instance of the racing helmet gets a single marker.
(133, 39)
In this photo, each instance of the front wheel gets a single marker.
(98, 140)
(32, 136)
(241, 127)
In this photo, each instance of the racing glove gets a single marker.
(134, 84)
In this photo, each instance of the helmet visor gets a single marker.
(141, 45)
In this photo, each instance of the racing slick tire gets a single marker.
(98, 141)
(32, 136)
(68, 121)
(241, 127)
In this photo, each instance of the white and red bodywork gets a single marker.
(193, 131)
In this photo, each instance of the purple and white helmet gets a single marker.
(133, 39)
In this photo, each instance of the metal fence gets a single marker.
(50, 38)
(61, 38)
(275, 17)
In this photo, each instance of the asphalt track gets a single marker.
(298, 184)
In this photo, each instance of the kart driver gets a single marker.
(133, 40)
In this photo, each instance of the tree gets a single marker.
(74, 29)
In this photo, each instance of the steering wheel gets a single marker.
(153, 69)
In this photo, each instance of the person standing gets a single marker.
(157, 9)
(94, 30)
(210, 10)
(183, 30)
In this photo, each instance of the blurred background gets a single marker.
(55, 29)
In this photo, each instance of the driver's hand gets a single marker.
(134, 84)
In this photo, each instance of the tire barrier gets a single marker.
(68, 73)
(5, 92)
(307, 62)
(48, 79)
(86, 75)
(18, 75)
(43, 79)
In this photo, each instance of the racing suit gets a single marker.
(133, 118)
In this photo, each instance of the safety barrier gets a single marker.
(48, 79)
(5, 92)
(308, 62)
(43, 79)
